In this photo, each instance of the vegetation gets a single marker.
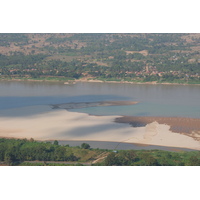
(153, 158)
(172, 58)
(85, 146)
(33, 153)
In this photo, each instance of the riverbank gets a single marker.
(134, 82)
(65, 125)
(74, 81)
(120, 145)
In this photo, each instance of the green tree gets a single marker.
(148, 160)
(194, 161)
(111, 159)
(127, 157)
(55, 142)
(85, 146)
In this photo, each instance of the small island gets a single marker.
(92, 104)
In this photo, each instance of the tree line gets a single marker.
(16, 150)
(19, 151)
(152, 158)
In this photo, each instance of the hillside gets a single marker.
(151, 57)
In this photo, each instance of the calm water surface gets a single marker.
(19, 98)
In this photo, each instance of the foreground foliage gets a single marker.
(33, 153)
(153, 158)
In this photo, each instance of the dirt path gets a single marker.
(100, 157)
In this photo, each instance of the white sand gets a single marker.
(65, 125)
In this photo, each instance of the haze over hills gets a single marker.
(150, 57)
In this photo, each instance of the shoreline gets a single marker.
(137, 83)
(113, 145)
(119, 145)
(69, 82)
(110, 145)
(66, 125)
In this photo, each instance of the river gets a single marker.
(28, 98)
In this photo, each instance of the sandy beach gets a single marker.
(64, 125)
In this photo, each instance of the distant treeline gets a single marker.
(102, 56)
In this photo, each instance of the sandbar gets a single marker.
(60, 124)
(92, 104)
(182, 125)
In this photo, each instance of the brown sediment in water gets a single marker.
(186, 126)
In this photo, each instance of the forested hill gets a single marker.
(166, 57)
